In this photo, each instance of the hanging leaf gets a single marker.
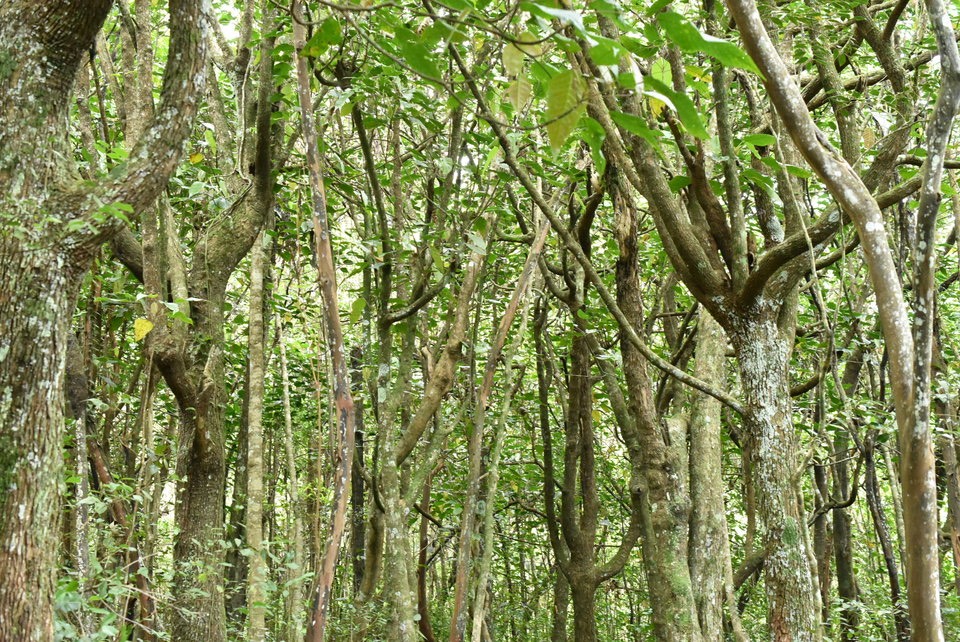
(356, 310)
(594, 135)
(686, 111)
(564, 106)
(529, 44)
(512, 60)
(519, 93)
(690, 40)
(141, 328)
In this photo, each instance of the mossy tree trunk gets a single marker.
(50, 226)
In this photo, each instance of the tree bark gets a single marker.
(256, 371)
(51, 226)
(793, 610)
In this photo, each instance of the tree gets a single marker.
(52, 224)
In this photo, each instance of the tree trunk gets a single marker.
(50, 226)
(583, 594)
(256, 586)
(32, 351)
(711, 573)
(198, 552)
(793, 610)
(561, 604)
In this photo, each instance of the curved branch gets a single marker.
(158, 151)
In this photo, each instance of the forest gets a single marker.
(479, 320)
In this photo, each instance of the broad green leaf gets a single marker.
(760, 140)
(512, 60)
(564, 105)
(416, 54)
(660, 70)
(564, 16)
(686, 111)
(476, 243)
(356, 310)
(329, 33)
(634, 124)
(141, 328)
(677, 183)
(690, 40)
(605, 51)
(519, 93)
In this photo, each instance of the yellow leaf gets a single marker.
(512, 60)
(196, 157)
(869, 137)
(528, 44)
(141, 328)
(519, 92)
(564, 106)
(656, 106)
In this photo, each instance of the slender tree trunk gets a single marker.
(875, 502)
(561, 604)
(296, 572)
(711, 572)
(256, 370)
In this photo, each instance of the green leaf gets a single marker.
(634, 124)
(687, 112)
(416, 54)
(476, 243)
(564, 16)
(660, 70)
(356, 310)
(677, 183)
(690, 40)
(760, 140)
(594, 135)
(529, 44)
(329, 33)
(605, 51)
(564, 105)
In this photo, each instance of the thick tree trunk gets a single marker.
(658, 459)
(198, 552)
(33, 347)
(49, 228)
(793, 607)
(583, 594)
